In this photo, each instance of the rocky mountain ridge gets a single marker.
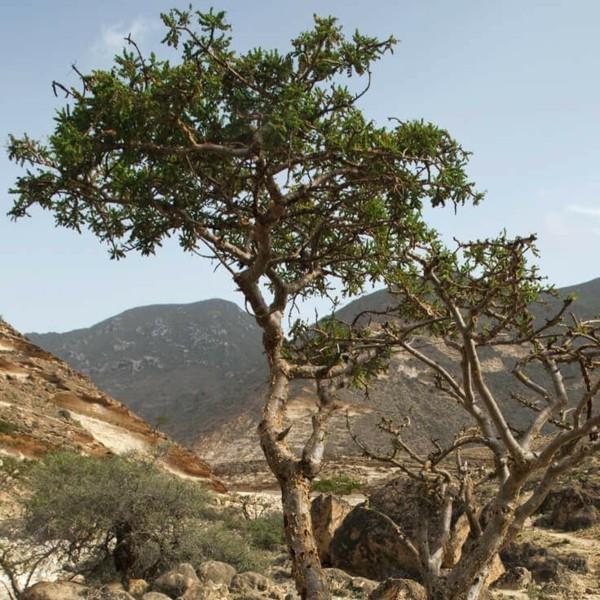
(46, 406)
(184, 367)
(201, 366)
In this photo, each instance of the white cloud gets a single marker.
(586, 211)
(112, 37)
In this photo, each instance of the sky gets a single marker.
(515, 82)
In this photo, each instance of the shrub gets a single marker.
(115, 513)
(219, 542)
(338, 484)
(266, 532)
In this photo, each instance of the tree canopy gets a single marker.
(264, 162)
(222, 148)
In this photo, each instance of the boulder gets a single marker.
(407, 504)
(206, 590)
(517, 578)
(344, 585)
(453, 548)
(59, 590)
(216, 572)
(399, 589)
(254, 586)
(367, 545)
(137, 587)
(496, 571)
(155, 596)
(112, 591)
(571, 508)
(327, 513)
(545, 566)
(176, 581)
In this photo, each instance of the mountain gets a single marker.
(46, 406)
(187, 367)
(404, 391)
(202, 366)
(586, 305)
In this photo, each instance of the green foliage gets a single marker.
(265, 532)
(219, 542)
(491, 282)
(342, 485)
(126, 516)
(124, 511)
(218, 146)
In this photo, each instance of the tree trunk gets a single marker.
(306, 565)
(467, 579)
(295, 493)
(123, 554)
(439, 588)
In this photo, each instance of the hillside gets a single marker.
(186, 367)
(46, 406)
(202, 366)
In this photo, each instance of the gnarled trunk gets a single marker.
(440, 589)
(306, 565)
(295, 492)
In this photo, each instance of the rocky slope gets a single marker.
(47, 406)
(188, 368)
(201, 365)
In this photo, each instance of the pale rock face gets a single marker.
(46, 406)
(177, 581)
(217, 572)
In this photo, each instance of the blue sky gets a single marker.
(515, 82)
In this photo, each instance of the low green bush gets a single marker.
(341, 485)
(115, 511)
(125, 517)
(219, 542)
(266, 532)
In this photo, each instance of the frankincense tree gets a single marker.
(264, 162)
(477, 297)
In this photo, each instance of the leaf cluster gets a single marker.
(488, 286)
(221, 148)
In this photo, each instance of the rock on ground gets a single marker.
(176, 581)
(216, 572)
(344, 585)
(206, 590)
(399, 589)
(367, 545)
(327, 514)
(571, 508)
(254, 586)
